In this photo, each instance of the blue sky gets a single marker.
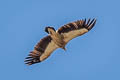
(93, 56)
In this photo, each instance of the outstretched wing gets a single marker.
(77, 28)
(41, 51)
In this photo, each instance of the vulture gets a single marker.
(58, 39)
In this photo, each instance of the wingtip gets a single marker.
(91, 23)
(31, 60)
(28, 64)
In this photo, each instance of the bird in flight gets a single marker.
(58, 39)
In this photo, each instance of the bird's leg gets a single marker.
(64, 48)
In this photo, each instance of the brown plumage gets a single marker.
(58, 39)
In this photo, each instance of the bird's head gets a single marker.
(49, 29)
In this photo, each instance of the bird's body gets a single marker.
(58, 39)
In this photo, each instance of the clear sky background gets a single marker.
(93, 56)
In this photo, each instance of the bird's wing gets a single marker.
(41, 51)
(74, 29)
